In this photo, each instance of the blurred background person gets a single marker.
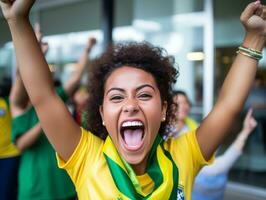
(79, 101)
(181, 122)
(9, 154)
(211, 181)
(257, 100)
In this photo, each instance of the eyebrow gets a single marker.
(137, 89)
(145, 85)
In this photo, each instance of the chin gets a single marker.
(134, 159)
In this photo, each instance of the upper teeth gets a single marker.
(133, 123)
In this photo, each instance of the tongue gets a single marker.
(133, 137)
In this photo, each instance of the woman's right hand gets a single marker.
(16, 9)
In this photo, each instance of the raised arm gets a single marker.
(248, 126)
(18, 96)
(56, 121)
(80, 66)
(237, 83)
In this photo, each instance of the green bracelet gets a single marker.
(252, 53)
(247, 54)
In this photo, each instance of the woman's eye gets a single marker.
(145, 96)
(116, 98)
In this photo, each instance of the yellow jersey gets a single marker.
(7, 149)
(89, 171)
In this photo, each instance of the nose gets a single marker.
(131, 106)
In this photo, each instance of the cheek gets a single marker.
(183, 108)
(110, 117)
(154, 115)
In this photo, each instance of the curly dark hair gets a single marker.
(145, 56)
(173, 118)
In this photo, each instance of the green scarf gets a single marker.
(160, 167)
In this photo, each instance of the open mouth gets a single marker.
(132, 133)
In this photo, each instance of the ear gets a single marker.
(164, 109)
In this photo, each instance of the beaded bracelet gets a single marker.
(252, 53)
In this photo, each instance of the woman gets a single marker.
(133, 83)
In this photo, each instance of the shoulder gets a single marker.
(187, 149)
(191, 123)
(87, 151)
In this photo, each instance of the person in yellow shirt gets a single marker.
(181, 122)
(123, 155)
(9, 154)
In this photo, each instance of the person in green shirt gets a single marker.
(39, 177)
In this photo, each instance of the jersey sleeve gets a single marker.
(186, 152)
(84, 156)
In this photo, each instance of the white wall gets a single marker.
(65, 16)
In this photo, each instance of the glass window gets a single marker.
(251, 167)
(5, 61)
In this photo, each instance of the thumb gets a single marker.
(248, 115)
(250, 112)
(254, 123)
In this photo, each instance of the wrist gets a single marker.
(254, 41)
(243, 135)
(17, 21)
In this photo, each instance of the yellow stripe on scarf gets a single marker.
(160, 167)
(164, 191)
(113, 154)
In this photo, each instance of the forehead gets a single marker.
(129, 77)
(180, 97)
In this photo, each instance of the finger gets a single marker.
(249, 11)
(37, 27)
(263, 13)
(44, 47)
(259, 11)
(249, 114)
(38, 32)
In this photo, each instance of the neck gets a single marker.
(140, 168)
(180, 124)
